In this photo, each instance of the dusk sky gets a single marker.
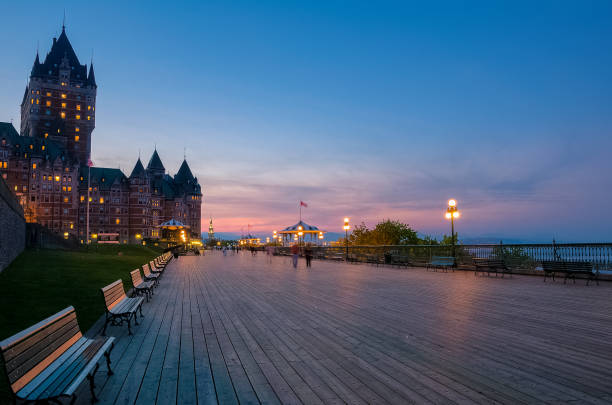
(370, 110)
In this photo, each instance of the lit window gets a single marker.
(65, 199)
(37, 101)
(34, 166)
(88, 118)
(76, 138)
(63, 115)
(78, 107)
(43, 147)
(78, 116)
(101, 200)
(58, 130)
(48, 94)
(57, 178)
(31, 146)
(63, 105)
(117, 221)
(63, 95)
(69, 188)
(46, 135)
(77, 129)
(32, 101)
(88, 108)
(48, 103)
(64, 188)
(82, 198)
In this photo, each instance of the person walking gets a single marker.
(295, 252)
(308, 255)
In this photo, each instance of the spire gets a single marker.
(184, 174)
(91, 78)
(155, 163)
(35, 66)
(138, 169)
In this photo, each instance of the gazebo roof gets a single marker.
(173, 224)
(305, 228)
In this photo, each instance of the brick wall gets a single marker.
(12, 226)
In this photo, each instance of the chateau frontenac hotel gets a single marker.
(46, 163)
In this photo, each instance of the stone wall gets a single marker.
(12, 226)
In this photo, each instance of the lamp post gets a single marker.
(451, 213)
(346, 229)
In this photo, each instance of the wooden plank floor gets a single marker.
(239, 329)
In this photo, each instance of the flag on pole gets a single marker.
(303, 204)
(90, 163)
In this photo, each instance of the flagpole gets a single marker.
(300, 211)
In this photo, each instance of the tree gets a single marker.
(388, 232)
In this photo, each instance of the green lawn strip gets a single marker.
(40, 283)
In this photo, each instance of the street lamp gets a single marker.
(346, 229)
(452, 213)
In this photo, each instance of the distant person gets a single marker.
(295, 253)
(308, 255)
(224, 251)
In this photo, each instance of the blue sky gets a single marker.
(366, 109)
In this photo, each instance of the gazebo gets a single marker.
(249, 240)
(173, 231)
(300, 232)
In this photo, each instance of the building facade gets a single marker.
(47, 165)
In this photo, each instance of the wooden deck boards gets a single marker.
(238, 329)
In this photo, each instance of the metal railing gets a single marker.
(524, 256)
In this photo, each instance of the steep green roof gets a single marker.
(155, 162)
(103, 177)
(138, 170)
(184, 174)
(35, 147)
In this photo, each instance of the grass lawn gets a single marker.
(40, 283)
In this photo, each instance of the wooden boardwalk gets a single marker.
(238, 329)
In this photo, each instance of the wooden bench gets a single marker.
(141, 286)
(570, 270)
(399, 261)
(491, 266)
(163, 260)
(153, 268)
(150, 276)
(48, 361)
(441, 262)
(120, 308)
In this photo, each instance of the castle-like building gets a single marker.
(47, 164)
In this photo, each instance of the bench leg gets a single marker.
(108, 360)
(129, 326)
(141, 315)
(92, 385)
(105, 324)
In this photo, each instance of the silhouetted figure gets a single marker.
(295, 252)
(308, 255)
